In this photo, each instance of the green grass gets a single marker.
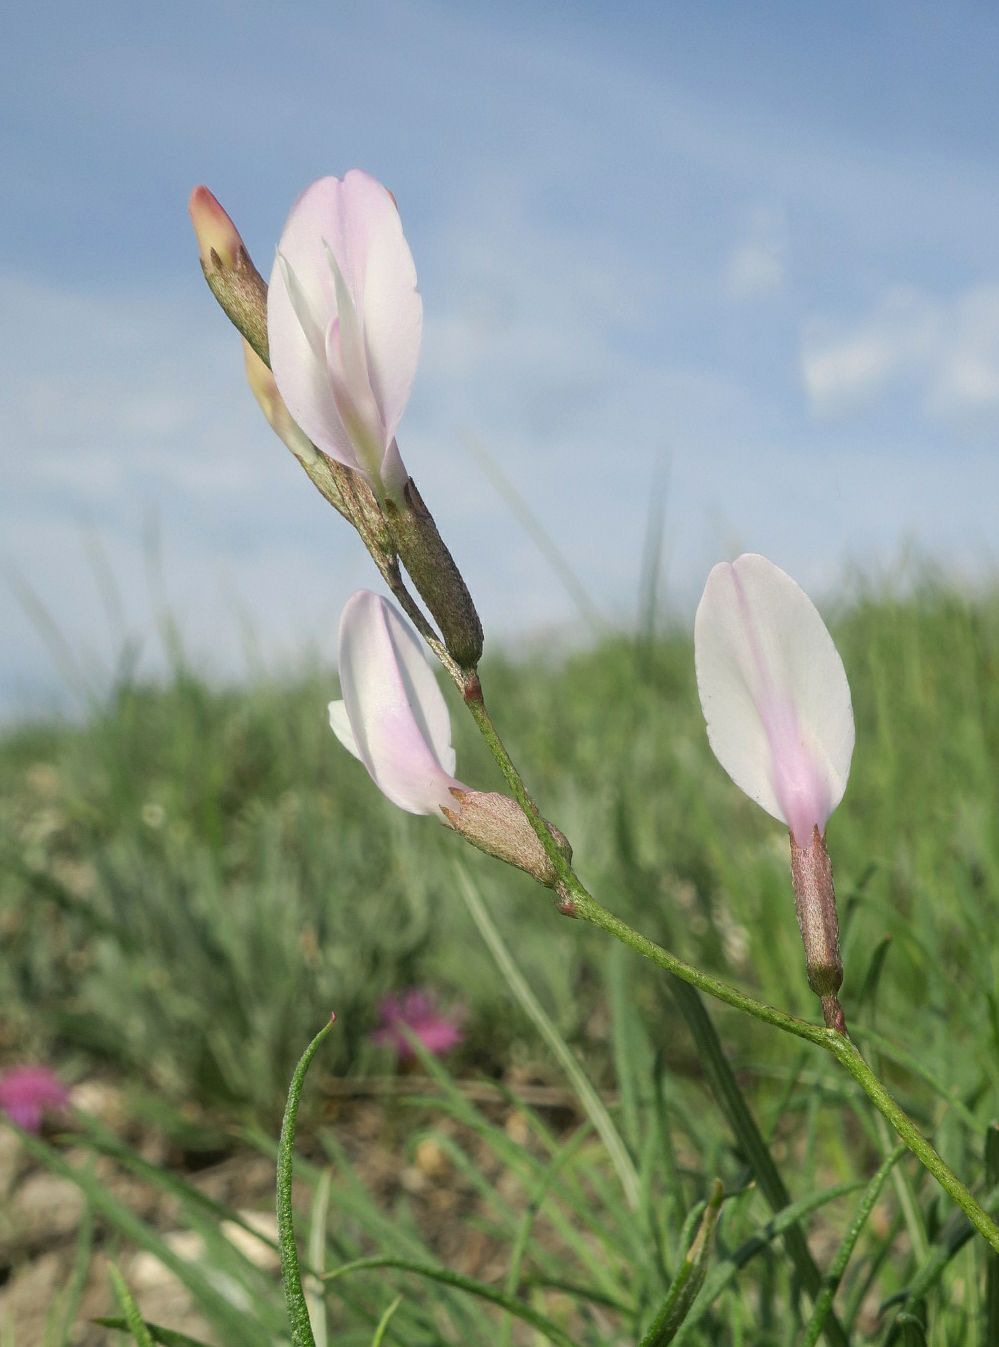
(195, 877)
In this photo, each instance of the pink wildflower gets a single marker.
(416, 1010)
(28, 1092)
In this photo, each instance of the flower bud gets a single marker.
(233, 279)
(777, 705)
(435, 575)
(497, 825)
(774, 693)
(218, 238)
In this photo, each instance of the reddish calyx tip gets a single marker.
(332, 1017)
(215, 231)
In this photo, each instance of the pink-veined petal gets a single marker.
(392, 318)
(355, 221)
(774, 693)
(396, 710)
(348, 375)
(300, 372)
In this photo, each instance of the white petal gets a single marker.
(302, 374)
(340, 725)
(774, 693)
(395, 707)
(356, 223)
(392, 320)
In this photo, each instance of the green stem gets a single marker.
(579, 902)
(849, 1056)
(845, 1052)
(472, 692)
(587, 908)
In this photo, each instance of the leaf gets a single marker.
(529, 1003)
(732, 1102)
(133, 1315)
(689, 1278)
(166, 1337)
(384, 1321)
(291, 1273)
(476, 1288)
(838, 1266)
(725, 1273)
(235, 1325)
(991, 1259)
(907, 1331)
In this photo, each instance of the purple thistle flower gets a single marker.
(28, 1092)
(417, 1011)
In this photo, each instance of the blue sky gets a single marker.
(758, 242)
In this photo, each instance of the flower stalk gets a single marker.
(583, 905)
(815, 905)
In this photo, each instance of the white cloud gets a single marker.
(757, 265)
(846, 368)
(942, 353)
(964, 383)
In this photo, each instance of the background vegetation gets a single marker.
(194, 876)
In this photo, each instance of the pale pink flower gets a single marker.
(774, 693)
(417, 1011)
(393, 716)
(28, 1092)
(344, 322)
(394, 719)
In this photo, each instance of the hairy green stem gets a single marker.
(579, 902)
(845, 1051)
(291, 1273)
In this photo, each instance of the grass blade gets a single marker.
(384, 1322)
(165, 1337)
(908, 1331)
(992, 1260)
(838, 1266)
(532, 1007)
(689, 1278)
(733, 1104)
(133, 1316)
(476, 1288)
(536, 530)
(70, 1297)
(236, 1326)
(726, 1272)
(291, 1273)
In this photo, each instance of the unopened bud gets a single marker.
(432, 569)
(234, 280)
(215, 231)
(497, 825)
(272, 404)
(815, 904)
